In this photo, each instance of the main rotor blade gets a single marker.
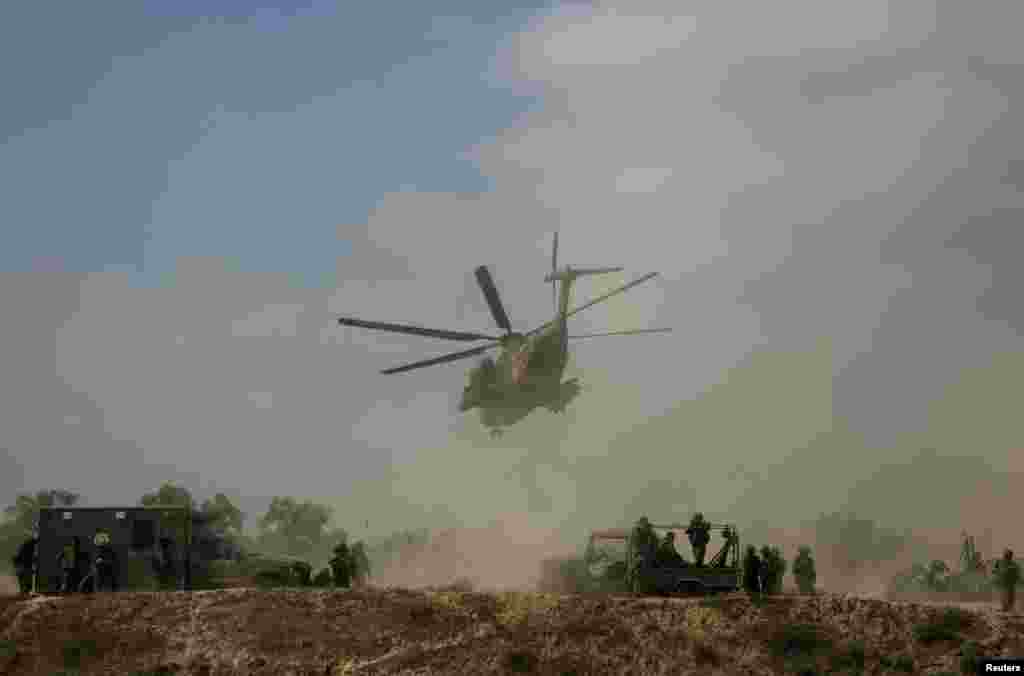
(454, 356)
(621, 333)
(483, 278)
(414, 330)
(599, 299)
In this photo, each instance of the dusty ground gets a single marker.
(246, 631)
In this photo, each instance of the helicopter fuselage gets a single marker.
(526, 375)
(527, 372)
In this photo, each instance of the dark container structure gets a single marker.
(135, 534)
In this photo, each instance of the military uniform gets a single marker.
(303, 573)
(67, 558)
(699, 533)
(645, 541)
(360, 564)
(25, 564)
(105, 564)
(751, 571)
(667, 553)
(341, 566)
(167, 569)
(803, 571)
(1007, 573)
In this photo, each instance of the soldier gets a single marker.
(360, 564)
(303, 572)
(751, 571)
(699, 533)
(68, 561)
(645, 541)
(1007, 574)
(341, 566)
(25, 564)
(775, 566)
(104, 568)
(667, 554)
(803, 571)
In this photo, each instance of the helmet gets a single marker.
(1008, 554)
(643, 522)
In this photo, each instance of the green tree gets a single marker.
(298, 528)
(223, 515)
(169, 493)
(25, 510)
(21, 520)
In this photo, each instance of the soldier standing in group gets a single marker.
(751, 571)
(1007, 574)
(167, 569)
(105, 564)
(668, 555)
(341, 566)
(645, 541)
(25, 564)
(303, 573)
(68, 561)
(360, 564)
(803, 571)
(699, 533)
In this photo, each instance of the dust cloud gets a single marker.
(506, 555)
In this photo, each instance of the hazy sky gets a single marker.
(832, 192)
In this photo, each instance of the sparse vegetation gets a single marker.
(969, 653)
(946, 627)
(521, 661)
(850, 656)
(76, 651)
(799, 640)
(902, 663)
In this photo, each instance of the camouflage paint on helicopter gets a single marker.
(528, 371)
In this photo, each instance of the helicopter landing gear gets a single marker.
(496, 433)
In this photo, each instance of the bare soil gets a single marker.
(396, 631)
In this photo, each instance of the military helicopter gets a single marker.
(527, 374)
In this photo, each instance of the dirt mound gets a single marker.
(393, 631)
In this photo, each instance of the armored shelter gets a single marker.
(140, 536)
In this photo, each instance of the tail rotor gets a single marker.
(554, 271)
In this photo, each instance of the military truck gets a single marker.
(135, 535)
(611, 558)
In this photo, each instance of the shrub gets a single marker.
(75, 651)
(904, 663)
(795, 640)
(969, 657)
(521, 661)
(267, 579)
(944, 628)
(850, 656)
